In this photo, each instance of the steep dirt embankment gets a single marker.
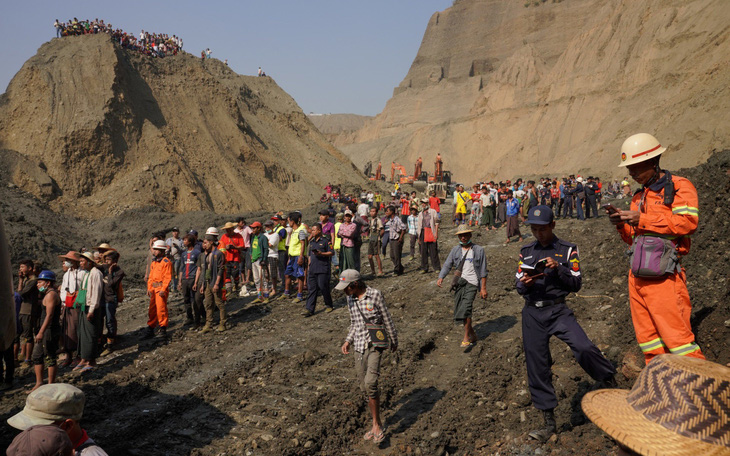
(501, 89)
(338, 128)
(98, 130)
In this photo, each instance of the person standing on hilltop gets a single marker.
(663, 215)
(367, 308)
(548, 271)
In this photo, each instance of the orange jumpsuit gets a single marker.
(660, 308)
(159, 281)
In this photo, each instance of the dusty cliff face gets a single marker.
(501, 89)
(99, 130)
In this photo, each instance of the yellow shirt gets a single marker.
(338, 240)
(461, 199)
(295, 245)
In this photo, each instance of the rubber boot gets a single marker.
(544, 434)
(207, 327)
(163, 332)
(109, 347)
(222, 325)
(149, 333)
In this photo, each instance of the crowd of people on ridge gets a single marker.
(284, 258)
(151, 44)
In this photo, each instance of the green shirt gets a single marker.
(256, 251)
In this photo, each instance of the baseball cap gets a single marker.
(348, 212)
(268, 223)
(324, 212)
(50, 403)
(346, 278)
(176, 229)
(193, 232)
(540, 215)
(41, 440)
(255, 225)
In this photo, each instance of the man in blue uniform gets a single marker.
(318, 278)
(549, 270)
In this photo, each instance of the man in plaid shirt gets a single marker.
(366, 305)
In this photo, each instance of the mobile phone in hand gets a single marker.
(610, 208)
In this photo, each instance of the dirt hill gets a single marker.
(338, 128)
(502, 88)
(98, 130)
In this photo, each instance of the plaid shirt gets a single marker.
(396, 226)
(412, 225)
(371, 307)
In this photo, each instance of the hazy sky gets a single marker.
(335, 56)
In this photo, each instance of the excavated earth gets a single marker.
(276, 383)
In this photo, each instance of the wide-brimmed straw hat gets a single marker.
(463, 229)
(104, 247)
(229, 225)
(678, 406)
(89, 256)
(70, 256)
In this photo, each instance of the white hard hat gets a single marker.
(159, 245)
(579, 179)
(639, 148)
(213, 231)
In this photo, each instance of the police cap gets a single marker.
(540, 215)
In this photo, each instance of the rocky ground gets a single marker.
(277, 384)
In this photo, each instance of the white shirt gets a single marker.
(71, 282)
(273, 244)
(468, 273)
(363, 209)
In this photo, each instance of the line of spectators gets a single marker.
(151, 44)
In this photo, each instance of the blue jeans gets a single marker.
(110, 312)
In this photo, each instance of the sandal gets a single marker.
(379, 437)
(368, 435)
(87, 368)
(466, 344)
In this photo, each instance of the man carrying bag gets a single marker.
(470, 277)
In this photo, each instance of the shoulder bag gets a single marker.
(376, 332)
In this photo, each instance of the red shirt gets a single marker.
(405, 208)
(435, 203)
(234, 239)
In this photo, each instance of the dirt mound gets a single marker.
(99, 130)
(538, 89)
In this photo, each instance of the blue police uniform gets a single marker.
(318, 280)
(545, 314)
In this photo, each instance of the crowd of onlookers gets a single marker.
(151, 44)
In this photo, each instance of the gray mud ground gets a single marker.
(277, 384)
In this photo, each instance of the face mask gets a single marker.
(42, 289)
(465, 243)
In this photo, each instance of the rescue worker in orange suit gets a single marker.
(158, 285)
(663, 212)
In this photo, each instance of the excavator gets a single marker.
(378, 172)
(440, 181)
(399, 171)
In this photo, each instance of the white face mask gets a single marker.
(68, 264)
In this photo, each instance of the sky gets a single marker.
(334, 56)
